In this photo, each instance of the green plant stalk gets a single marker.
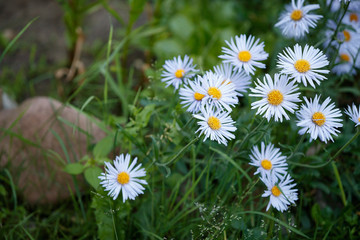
(338, 179)
(249, 188)
(250, 133)
(347, 144)
(331, 158)
(106, 75)
(112, 209)
(271, 226)
(337, 26)
(193, 158)
(76, 185)
(16, 38)
(297, 146)
(270, 123)
(179, 153)
(292, 229)
(13, 189)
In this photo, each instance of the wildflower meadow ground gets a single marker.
(237, 120)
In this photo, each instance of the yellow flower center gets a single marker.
(198, 96)
(244, 56)
(214, 123)
(354, 17)
(296, 15)
(275, 97)
(347, 36)
(345, 57)
(302, 65)
(123, 178)
(359, 119)
(214, 92)
(318, 118)
(179, 73)
(266, 164)
(275, 191)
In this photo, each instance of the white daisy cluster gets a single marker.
(211, 96)
(303, 65)
(345, 45)
(280, 95)
(272, 166)
(296, 20)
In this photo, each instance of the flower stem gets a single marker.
(179, 153)
(338, 179)
(297, 146)
(249, 187)
(251, 133)
(331, 158)
(333, 37)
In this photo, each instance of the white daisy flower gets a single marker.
(123, 177)
(330, 29)
(269, 161)
(282, 194)
(353, 6)
(303, 66)
(296, 20)
(347, 39)
(220, 93)
(335, 5)
(216, 125)
(244, 53)
(320, 120)
(354, 114)
(350, 40)
(178, 71)
(239, 78)
(344, 63)
(352, 18)
(193, 95)
(277, 96)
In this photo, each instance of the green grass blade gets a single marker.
(277, 221)
(13, 191)
(16, 38)
(232, 162)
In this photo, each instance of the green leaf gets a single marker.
(16, 38)
(181, 26)
(316, 214)
(103, 218)
(168, 48)
(136, 8)
(103, 147)
(91, 175)
(2, 191)
(352, 90)
(110, 216)
(142, 119)
(74, 168)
